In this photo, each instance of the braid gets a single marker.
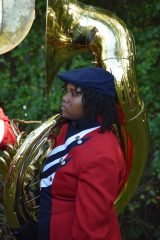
(97, 104)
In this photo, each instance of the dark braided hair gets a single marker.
(95, 104)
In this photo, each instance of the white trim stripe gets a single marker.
(1, 130)
(70, 140)
(54, 162)
(46, 182)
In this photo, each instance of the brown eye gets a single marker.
(76, 92)
(73, 93)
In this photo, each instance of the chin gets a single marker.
(65, 116)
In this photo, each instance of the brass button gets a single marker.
(79, 141)
(62, 162)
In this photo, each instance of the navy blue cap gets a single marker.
(96, 79)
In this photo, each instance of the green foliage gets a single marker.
(22, 94)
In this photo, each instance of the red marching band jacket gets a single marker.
(6, 134)
(83, 190)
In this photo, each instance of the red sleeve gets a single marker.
(6, 134)
(97, 187)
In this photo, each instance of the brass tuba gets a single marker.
(72, 28)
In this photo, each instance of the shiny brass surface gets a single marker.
(16, 18)
(73, 28)
(21, 187)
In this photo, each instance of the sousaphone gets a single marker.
(73, 28)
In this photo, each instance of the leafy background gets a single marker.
(22, 95)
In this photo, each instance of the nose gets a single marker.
(65, 97)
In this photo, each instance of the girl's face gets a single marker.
(72, 106)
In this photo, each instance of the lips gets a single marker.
(64, 108)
